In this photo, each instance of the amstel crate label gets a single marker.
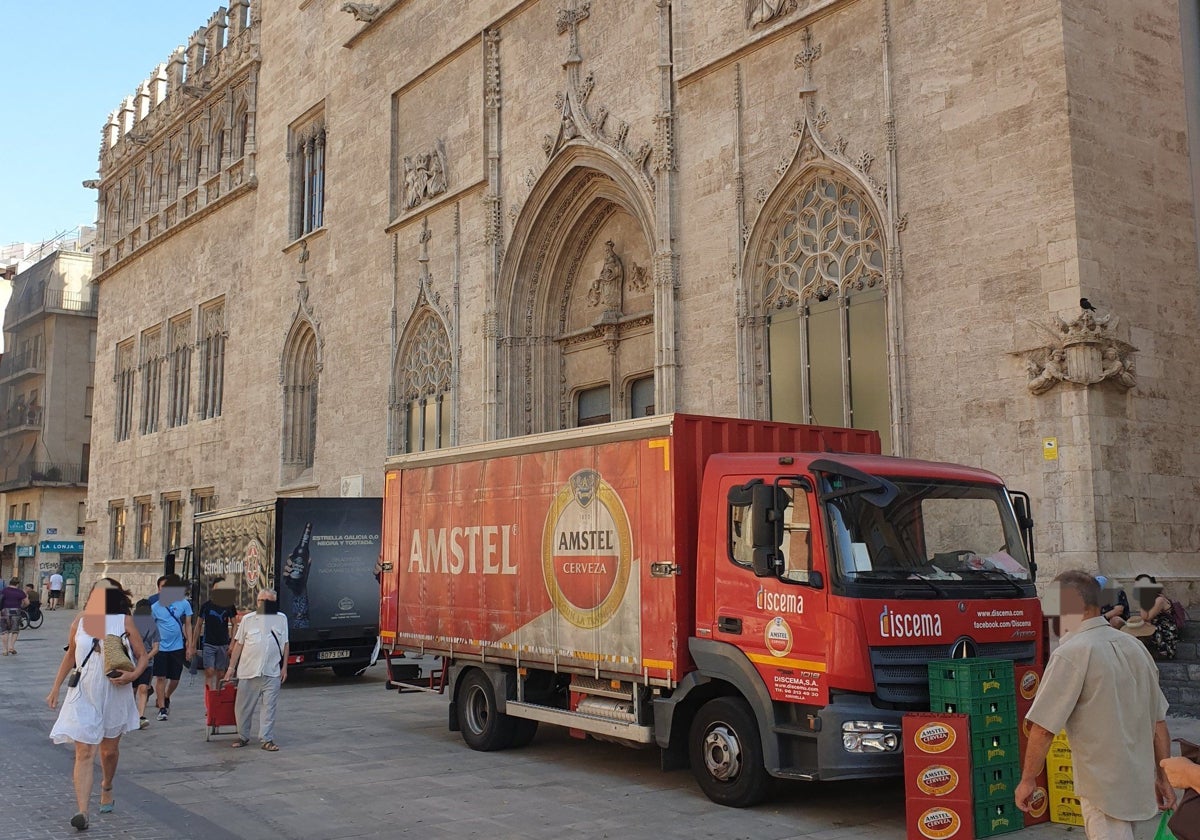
(1027, 683)
(939, 823)
(934, 737)
(1039, 801)
(937, 780)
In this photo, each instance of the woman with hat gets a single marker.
(1156, 624)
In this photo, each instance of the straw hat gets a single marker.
(1138, 626)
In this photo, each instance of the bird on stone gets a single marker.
(1084, 303)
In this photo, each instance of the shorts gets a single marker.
(169, 664)
(10, 621)
(55, 593)
(142, 678)
(216, 657)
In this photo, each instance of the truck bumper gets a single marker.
(835, 761)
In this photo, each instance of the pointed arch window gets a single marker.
(824, 298)
(212, 358)
(421, 404)
(301, 375)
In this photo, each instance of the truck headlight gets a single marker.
(870, 736)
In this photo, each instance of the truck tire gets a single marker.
(523, 731)
(726, 754)
(484, 728)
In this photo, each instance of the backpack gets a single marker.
(1178, 613)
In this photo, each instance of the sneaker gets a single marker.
(143, 723)
(162, 714)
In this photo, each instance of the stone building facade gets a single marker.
(46, 402)
(331, 232)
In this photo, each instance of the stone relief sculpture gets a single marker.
(607, 287)
(1084, 351)
(761, 12)
(364, 12)
(424, 175)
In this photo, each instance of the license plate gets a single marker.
(333, 654)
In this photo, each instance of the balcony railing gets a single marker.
(55, 300)
(41, 472)
(28, 362)
(21, 416)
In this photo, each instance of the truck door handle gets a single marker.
(729, 625)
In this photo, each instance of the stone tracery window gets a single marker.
(126, 372)
(825, 300)
(420, 408)
(301, 375)
(307, 156)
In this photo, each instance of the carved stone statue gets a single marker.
(1045, 376)
(606, 289)
(1118, 369)
(762, 12)
(364, 12)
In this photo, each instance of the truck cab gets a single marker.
(824, 584)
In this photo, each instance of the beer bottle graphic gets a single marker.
(295, 575)
(885, 622)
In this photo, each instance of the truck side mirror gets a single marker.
(756, 531)
(1021, 508)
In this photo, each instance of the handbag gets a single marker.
(115, 656)
(1185, 822)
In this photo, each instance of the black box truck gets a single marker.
(318, 554)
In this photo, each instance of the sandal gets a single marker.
(106, 807)
(270, 746)
(240, 742)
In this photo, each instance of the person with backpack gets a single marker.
(173, 615)
(1162, 615)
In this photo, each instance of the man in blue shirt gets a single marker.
(173, 615)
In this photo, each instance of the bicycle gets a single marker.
(26, 621)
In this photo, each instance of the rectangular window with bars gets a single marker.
(145, 527)
(212, 358)
(152, 364)
(126, 370)
(172, 523)
(116, 530)
(179, 346)
(307, 144)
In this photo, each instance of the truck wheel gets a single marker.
(483, 727)
(523, 731)
(726, 754)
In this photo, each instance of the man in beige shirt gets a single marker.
(1101, 685)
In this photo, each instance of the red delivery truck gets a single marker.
(756, 599)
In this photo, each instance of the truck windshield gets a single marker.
(930, 531)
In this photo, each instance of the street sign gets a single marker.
(62, 547)
(50, 532)
(22, 526)
(26, 550)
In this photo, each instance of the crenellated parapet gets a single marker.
(183, 141)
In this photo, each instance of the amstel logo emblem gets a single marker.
(934, 737)
(937, 780)
(939, 823)
(586, 550)
(1029, 684)
(778, 636)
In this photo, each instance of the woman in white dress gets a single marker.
(99, 709)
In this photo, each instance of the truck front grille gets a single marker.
(901, 675)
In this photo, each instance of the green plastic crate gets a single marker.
(971, 679)
(995, 782)
(989, 749)
(988, 714)
(997, 817)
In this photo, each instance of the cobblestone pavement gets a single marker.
(359, 762)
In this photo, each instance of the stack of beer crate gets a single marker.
(1065, 807)
(937, 776)
(983, 690)
(1028, 680)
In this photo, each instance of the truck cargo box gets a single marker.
(573, 549)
